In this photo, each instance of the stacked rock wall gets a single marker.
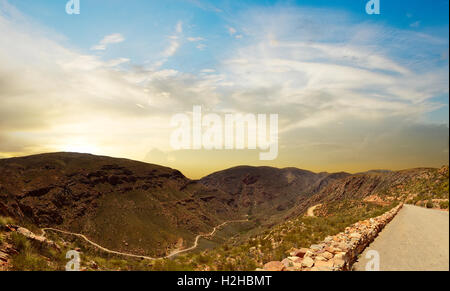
(338, 252)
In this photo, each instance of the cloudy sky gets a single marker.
(353, 91)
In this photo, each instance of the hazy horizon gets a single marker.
(205, 173)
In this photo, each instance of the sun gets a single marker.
(80, 147)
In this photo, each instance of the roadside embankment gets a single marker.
(338, 252)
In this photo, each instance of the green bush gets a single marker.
(5, 221)
(203, 259)
(27, 261)
(443, 205)
(35, 256)
(429, 204)
(20, 242)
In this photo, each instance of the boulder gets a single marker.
(41, 239)
(300, 253)
(320, 258)
(307, 262)
(340, 256)
(324, 266)
(355, 235)
(327, 255)
(331, 249)
(309, 254)
(328, 239)
(317, 247)
(274, 266)
(3, 257)
(298, 266)
(339, 264)
(287, 262)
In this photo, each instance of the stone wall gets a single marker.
(338, 252)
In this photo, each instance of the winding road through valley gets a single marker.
(174, 253)
(417, 239)
(310, 211)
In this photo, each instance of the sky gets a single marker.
(353, 91)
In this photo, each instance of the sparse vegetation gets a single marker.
(34, 256)
(5, 221)
(274, 244)
(233, 255)
(268, 236)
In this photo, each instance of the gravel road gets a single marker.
(174, 253)
(417, 239)
(310, 211)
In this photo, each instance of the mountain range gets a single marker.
(148, 209)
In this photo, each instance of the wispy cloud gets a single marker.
(316, 76)
(231, 30)
(201, 46)
(88, 97)
(174, 45)
(357, 90)
(415, 24)
(117, 62)
(179, 27)
(107, 40)
(195, 39)
(205, 5)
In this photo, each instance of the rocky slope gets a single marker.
(142, 208)
(267, 191)
(123, 204)
(384, 187)
(337, 252)
(147, 209)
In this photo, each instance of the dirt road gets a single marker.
(174, 253)
(310, 211)
(417, 239)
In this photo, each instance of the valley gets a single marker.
(131, 215)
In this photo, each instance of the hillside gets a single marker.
(384, 187)
(144, 209)
(266, 191)
(122, 204)
(343, 202)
